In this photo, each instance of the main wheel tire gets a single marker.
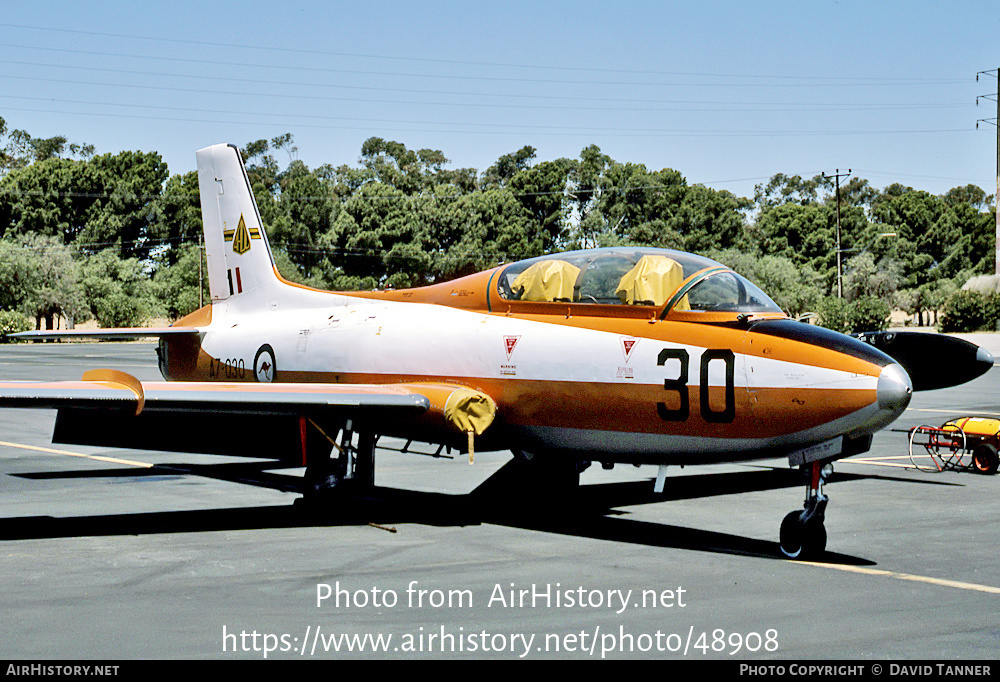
(985, 458)
(802, 541)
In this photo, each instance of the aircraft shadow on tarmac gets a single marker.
(592, 511)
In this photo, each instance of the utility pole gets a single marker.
(201, 276)
(840, 268)
(996, 123)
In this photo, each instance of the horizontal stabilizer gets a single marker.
(115, 334)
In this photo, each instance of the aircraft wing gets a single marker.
(112, 390)
(116, 334)
(108, 407)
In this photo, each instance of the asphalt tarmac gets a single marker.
(118, 554)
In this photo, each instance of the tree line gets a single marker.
(116, 237)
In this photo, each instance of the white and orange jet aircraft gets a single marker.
(618, 355)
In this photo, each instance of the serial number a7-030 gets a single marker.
(228, 368)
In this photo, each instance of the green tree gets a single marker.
(783, 189)
(834, 313)
(970, 311)
(19, 149)
(708, 219)
(632, 197)
(176, 286)
(12, 322)
(40, 278)
(106, 201)
(118, 291)
(177, 220)
(862, 315)
(368, 225)
(795, 288)
(869, 313)
(584, 189)
(863, 277)
(507, 166)
(541, 189)
(391, 163)
(920, 222)
(483, 229)
(124, 215)
(53, 198)
(805, 234)
(301, 215)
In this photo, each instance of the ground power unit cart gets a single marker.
(963, 444)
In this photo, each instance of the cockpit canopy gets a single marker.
(633, 276)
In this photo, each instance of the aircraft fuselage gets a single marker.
(636, 390)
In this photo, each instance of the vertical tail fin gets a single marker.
(239, 256)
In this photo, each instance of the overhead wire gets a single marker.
(697, 106)
(273, 89)
(455, 62)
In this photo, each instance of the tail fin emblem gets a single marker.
(241, 239)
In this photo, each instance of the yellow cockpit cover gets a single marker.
(651, 282)
(547, 280)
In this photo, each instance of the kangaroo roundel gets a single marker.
(263, 364)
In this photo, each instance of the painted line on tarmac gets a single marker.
(951, 412)
(887, 462)
(906, 576)
(838, 567)
(99, 458)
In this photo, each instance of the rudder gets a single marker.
(238, 253)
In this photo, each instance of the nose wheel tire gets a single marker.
(802, 540)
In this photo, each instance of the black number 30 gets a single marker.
(679, 386)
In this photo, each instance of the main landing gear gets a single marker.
(331, 479)
(803, 535)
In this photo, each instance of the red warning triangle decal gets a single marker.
(627, 346)
(509, 343)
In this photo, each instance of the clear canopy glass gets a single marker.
(633, 276)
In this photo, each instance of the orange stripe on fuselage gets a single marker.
(632, 408)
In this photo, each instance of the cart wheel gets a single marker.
(932, 446)
(985, 458)
(956, 449)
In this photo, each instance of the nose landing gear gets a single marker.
(803, 535)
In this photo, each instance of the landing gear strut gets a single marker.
(328, 479)
(803, 535)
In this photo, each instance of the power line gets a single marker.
(554, 131)
(695, 106)
(805, 81)
(453, 62)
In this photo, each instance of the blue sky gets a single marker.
(727, 93)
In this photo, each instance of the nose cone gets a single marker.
(894, 391)
(984, 359)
